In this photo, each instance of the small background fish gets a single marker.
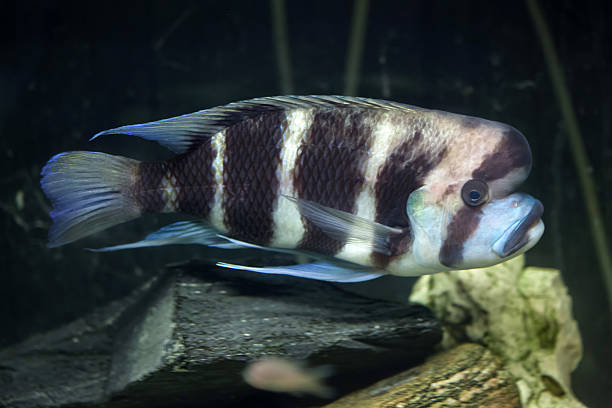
(282, 375)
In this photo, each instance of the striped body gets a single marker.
(249, 170)
(365, 161)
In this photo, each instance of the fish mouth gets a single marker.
(517, 235)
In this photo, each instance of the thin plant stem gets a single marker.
(281, 43)
(581, 161)
(355, 47)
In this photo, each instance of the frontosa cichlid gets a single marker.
(365, 187)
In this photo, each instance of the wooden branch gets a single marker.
(466, 376)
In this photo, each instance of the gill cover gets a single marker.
(428, 221)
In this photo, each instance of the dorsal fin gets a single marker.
(180, 132)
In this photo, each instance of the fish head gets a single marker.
(467, 213)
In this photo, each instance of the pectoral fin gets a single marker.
(344, 225)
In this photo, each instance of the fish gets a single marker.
(358, 187)
(281, 375)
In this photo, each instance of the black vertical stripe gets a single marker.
(403, 172)
(147, 188)
(329, 168)
(461, 227)
(252, 154)
(195, 179)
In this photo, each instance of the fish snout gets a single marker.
(525, 232)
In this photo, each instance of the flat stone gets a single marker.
(466, 376)
(184, 338)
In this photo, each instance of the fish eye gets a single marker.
(475, 192)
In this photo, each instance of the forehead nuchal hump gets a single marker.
(511, 152)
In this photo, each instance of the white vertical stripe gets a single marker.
(168, 187)
(288, 225)
(216, 212)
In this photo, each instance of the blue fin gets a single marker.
(244, 244)
(180, 133)
(179, 233)
(343, 225)
(176, 134)
(89, 191)
(319, 271)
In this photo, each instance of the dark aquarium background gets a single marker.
(71, 69)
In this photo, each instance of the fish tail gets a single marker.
(89, 192)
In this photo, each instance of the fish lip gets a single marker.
(516, 236)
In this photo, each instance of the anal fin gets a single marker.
(179, 233)
(192, 232)
(319, 271)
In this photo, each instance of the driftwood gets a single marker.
(185, 337)
(466, 376)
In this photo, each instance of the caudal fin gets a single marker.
(89, 191)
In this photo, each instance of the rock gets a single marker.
(523, 315)
(184, 338)
(467, 375)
